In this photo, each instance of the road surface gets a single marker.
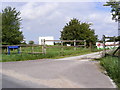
(71, 72)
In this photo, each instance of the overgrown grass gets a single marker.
(52, 53)
(112, 66)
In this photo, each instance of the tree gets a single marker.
(31, 42)
(75, 30)
(11, 33)
(115, 5)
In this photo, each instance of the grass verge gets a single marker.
(52, 53)
(112, 66)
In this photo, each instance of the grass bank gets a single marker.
(52, 53)
(112, 66)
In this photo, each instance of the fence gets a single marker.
(44, 46)
(41, 49)
(116, 46)
(23, 49)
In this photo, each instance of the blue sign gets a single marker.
(13, 47)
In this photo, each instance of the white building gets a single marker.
(47, 42)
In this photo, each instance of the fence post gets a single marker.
(74, 44)
(20, 49)
(104, 50)
(43, 46)
(7, 49)
(90, 46)
(114, 41)
(85, 43)
(62, 45)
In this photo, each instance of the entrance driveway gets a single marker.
(72, 72)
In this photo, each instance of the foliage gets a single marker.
(111, 65)
(11, 33)
(31, 42)
(75, 30)
(115, 5)
(111, 39)
(117, 38)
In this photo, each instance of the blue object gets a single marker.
(13, 47)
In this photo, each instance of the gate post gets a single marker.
(104, 50)
(114, 42)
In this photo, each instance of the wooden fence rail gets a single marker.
(43, 46)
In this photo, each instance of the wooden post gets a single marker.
(104, 50)
(62, 46)
(44, 46)
(90, 46)
(7, 50)
(74, 44)
(20, 49)
(40, 48)
(114, 41)
(85, 43)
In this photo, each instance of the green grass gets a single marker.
(112, 66)
(52, 53)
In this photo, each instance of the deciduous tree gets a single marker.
(11, 22)
(75, 30)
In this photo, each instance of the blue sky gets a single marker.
(49, 18)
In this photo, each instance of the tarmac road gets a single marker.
(10, 82)
(72, 72)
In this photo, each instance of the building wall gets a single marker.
(47, 38)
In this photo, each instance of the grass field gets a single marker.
(52, 53)
(112, 66)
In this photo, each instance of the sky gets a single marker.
(47, 18)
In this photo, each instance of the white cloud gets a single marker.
(47, 19)
(108, 20)
(28, 28)
(34, 10)
(54, 14)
